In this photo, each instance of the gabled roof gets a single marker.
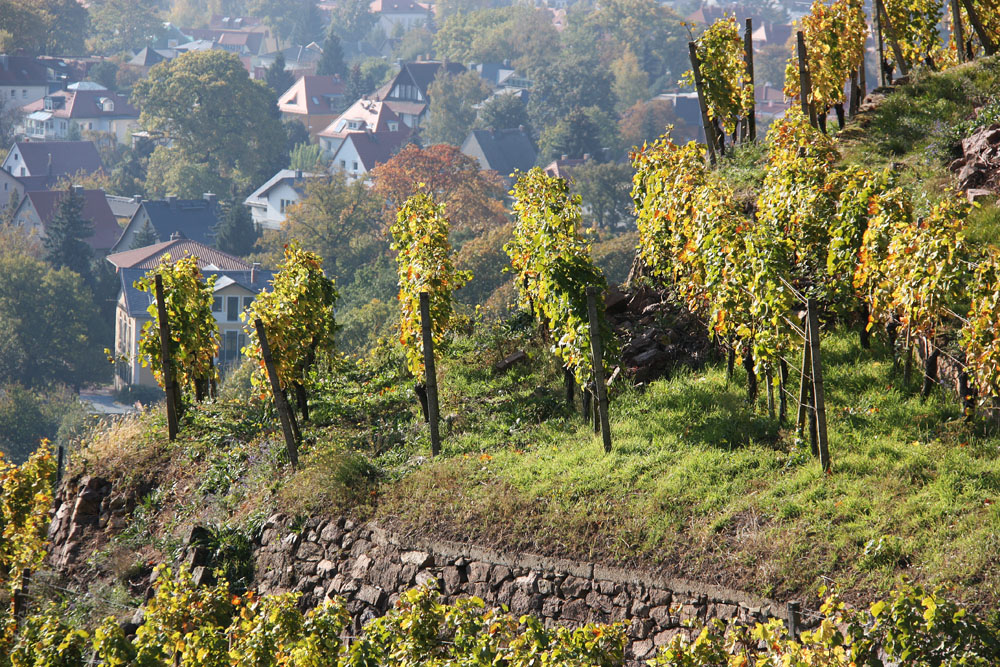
(22, 71)
(68, 157)
(123, 207)
(505, 151)
(398, 7)
(373, 116)
(87, 103)
(423, 73)
(151, 256)
(374, 149)
(95, 209)
(562, 167)
(313, 95)
(295, 178)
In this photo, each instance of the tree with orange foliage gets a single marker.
(472, 197)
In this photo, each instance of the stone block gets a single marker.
(418, 558)
(371, 595)
(326, 568)
(575, 587)
(551, 607)
(576, 610)
(479, 572)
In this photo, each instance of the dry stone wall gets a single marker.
(370, 567)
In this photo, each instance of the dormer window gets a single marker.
(393, 126)
(106, 104)
(354, 124)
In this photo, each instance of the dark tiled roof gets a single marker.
(193, 219)
(68, 157)
(95, 209)
(505, 150)
(122, 207)
(151, 256)
(374, 149)
(23, 71)
(87, 104)
(423, 73)
(137, 302)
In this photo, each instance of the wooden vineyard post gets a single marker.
(167, 361)
(794, 614)
(280, 400)
(782, 401)
(806, 376)
(710, 137)
(880, 48)
(957, 33)
(429, 372)
(60, 460)
(805, 83)
(569, 383)
(887, 26)
(769, 379)
(988, 46)
(748, 59)
(598, 356)
(817, 385)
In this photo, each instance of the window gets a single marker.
(285, 203)
(90, 126)
(247, 300)
(393, 126)
(343, 164)
(355, 165)
(232, 308)
(217, 304)
(24, 94)
(13, 93)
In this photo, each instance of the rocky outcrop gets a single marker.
(978, 168)
(82, 509)
(370, 567)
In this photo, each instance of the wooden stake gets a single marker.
(957, 33)
(988, 46)
(793, 611)
(430, 374)
(59, 464)
(166, 360)
(782, 400)
(817, 381)
(806, 375)
(280, 400)
(569, 383)
(748, 59)
(805, 83)
(598, 357)
(769, 379)
(897, 53)
(880, 44)
(710, 137)
(855, 102)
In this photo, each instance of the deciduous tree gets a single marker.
(453, 98)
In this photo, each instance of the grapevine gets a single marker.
(554, 268)
(426, 264)
(915, 27)
(728, 90)
(193, 331)
(297, 314)
(978, 336)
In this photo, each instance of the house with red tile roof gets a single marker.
(37, 210)
(314, 101)
(86, 105)
(368, 133)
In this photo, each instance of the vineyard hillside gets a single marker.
(699, 482)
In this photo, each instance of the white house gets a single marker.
(236, 285)
(368, 133)
(83, 106)
(23, 79)
(269, 202)
(400, 15)
(52, 160)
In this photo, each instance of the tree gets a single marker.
(571, 83)
(48, 321)
(606, 190)
(417, 42)
(351, 20)
(473, 197)
(296, 134)
(205, 103)
(332, 62)
(235, 232)
(452, 106)
(503, 111)
(769, 64)
(337, 220)
(357, 85)
(67, 234)
(278, 79)
(645, 121)
(306, 157)
(23, 25)
(146, 236)
(10, 119)
(581, 132)
(174, 171)
(424, 256)
(124, 25)
(105, 73)
(631, 83)
(66, 26)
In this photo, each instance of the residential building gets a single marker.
(52, 160)
(123, 208)
(400, 15)
(406, 93)
(83, 106)
(269, 202)
(190, 219)
(503, 151)
(314, 101)
(237, 283)
(24, 79)
(248, 40)
(367, 133)
(563, 167)
(147, 57)
(299, 60)
(37, 210)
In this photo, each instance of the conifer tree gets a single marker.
(67, 234)
(235, 232)
(144, 237)
(332, 61)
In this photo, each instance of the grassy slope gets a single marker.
(698, 484)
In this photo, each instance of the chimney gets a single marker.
(172, 201)
(48, 167)
(210, 198)
(298, 174)
(586, 156)
(520, 128)
(77, 189)
(564, 157)
(137, 199)
(176, 236)
(253, 272)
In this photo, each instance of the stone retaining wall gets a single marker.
(370, 567)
